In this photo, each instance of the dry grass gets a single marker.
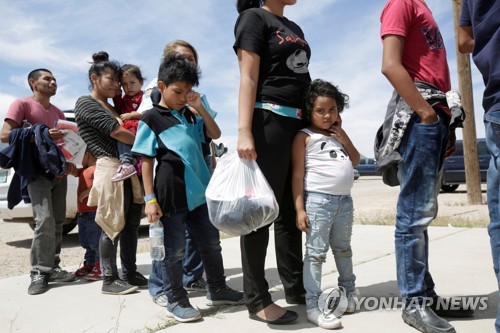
(440, 221)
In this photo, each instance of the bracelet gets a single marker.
(149, 197)
(151, 201)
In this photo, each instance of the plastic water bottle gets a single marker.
(156, 244)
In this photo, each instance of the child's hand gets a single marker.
(338, 133)
(126, 116)
(303, 221)
(153, 212)
(194, 99)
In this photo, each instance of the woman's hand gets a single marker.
(246, 146)
(153, 212)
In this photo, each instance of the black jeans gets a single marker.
(128, 240)
(273, 135)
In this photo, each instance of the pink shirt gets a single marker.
(424, 54)
(27, 108)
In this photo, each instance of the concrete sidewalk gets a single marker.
(460, 262)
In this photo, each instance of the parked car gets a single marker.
(367, 167)
(23, 212)
(356, 174)
(454, 166)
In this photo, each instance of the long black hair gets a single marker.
(242, 5)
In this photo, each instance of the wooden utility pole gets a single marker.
(472, 173)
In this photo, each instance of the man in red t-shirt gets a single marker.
(413, 50)
(48, 197)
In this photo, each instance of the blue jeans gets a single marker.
(89, 233)
(492, 129)
(166, 275)
(125, 153)
(48, 199)
(192, 265)
(331, 218)
(422, 148)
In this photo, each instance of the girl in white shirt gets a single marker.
(323, 157)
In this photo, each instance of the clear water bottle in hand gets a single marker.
(156, 244)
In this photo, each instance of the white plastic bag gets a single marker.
(239, 198)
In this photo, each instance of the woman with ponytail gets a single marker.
(273, 57)
(119, 204)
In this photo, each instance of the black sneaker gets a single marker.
(118, 287)
(198, 285)
(224, 296)
(39, 283)
(60, 275)
(136, 279)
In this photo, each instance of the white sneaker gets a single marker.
(351, 304)
(327, 321)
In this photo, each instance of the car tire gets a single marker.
(449, 188)
(68, 226)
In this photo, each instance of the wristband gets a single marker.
(151, 201)
(149, 197)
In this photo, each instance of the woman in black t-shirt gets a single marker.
(273, 56)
